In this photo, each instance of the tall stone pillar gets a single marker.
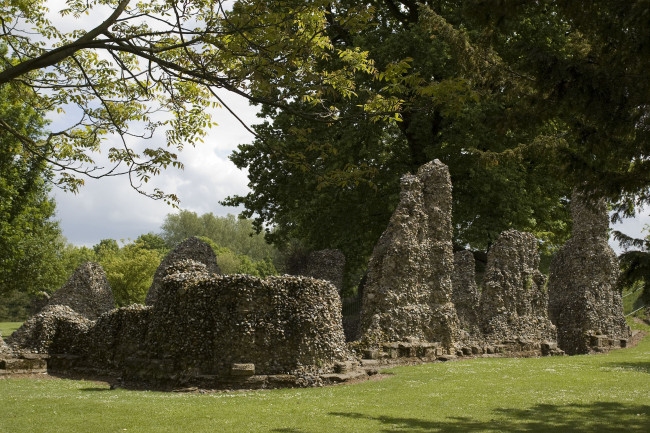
(514, 301)
(408, 292)
(584, 302)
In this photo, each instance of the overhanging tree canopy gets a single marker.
(155, 66)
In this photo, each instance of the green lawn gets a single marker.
(7, 328)
(566, 394)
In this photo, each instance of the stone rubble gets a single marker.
(584, 301)
(87, 292)
(408, 290)
(4, 348)
(191, 248)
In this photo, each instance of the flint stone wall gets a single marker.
(513, 300)
(408, 291)
(207, 322)
(584, 302)
(465, 294)
(56, 329)
(191, 248)
(202, 326)
(87, 292)
(327, 265)
(116, 337)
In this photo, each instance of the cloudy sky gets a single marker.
(110, 208)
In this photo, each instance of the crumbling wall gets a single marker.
(327, 265)
(465, 295)
(203, 328)
(117, 336)
(208, 322)
(191, 248)
(56, 329)
(86, 292)
(513, 300)
(585, 303)
(408, 291)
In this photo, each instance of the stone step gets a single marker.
(23, 365)
(339, 378)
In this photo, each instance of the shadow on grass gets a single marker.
(288, 430)
(643, 367)
(571, 418)
(94, 389)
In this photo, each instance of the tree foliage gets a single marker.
(236, 234)
(30, 238)
(635, 265)
(232, 263)
(155, 67)
(130, 272)
(452, 97)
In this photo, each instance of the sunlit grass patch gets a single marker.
(7, 328)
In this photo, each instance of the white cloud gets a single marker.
(110, 208)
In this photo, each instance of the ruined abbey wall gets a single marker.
(191, 248)
(514, 301)
(407, 295)
(584, 303)
(203, 328)
(419, 302)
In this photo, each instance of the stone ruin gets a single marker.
(191, 248)
(86, 292)
(203, 329)
(585, 303)
(407, 295)
(514, 301)
(419, 302)
(328, 265)
(56, 329)
(465, 294)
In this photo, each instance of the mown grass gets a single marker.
(595, 393)
(7, 328)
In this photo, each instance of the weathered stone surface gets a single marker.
(408, 291)
(583, 299)
(191, 248)
(4, 348)
(86, 292)
(56, 329)
(207, 322)
(116, 336)
(465, 294)
(513, 301)
(327, 265)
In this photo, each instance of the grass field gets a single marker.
(7, 328)
(598, 393)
